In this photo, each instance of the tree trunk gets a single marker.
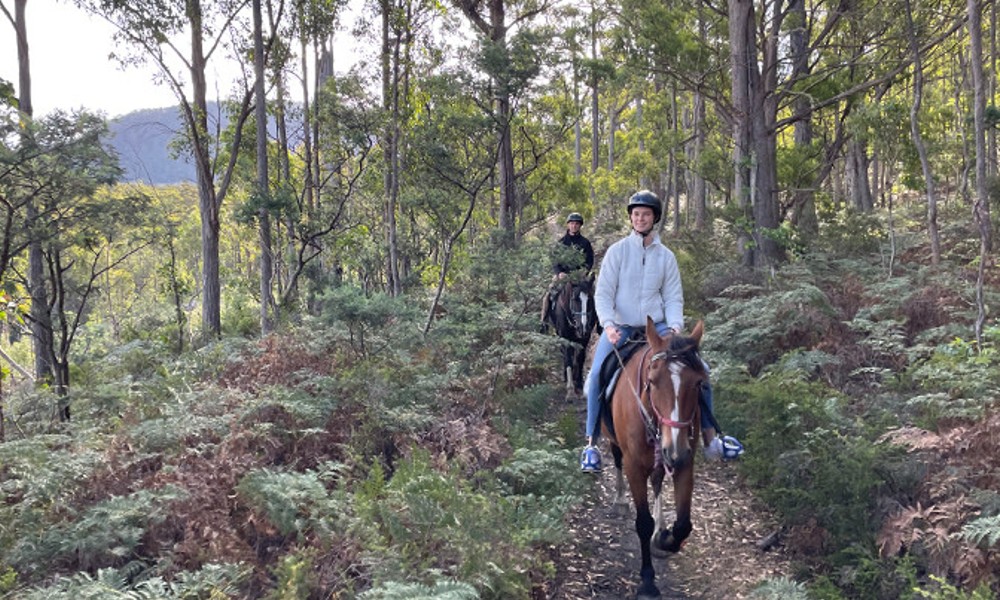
(41, 321)
(595, 121)
(744, 64)
(804, 201)
(197, 117)
(390, 103)
(918, 140)
(980, 210)
(263, 185)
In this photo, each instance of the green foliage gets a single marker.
(8, 579)
(297, 504)
(437, 522)
(39, 473)
(810, 462)
(942, 590)
(984, 531)
(544, 473)
(296, 579)
(959, 379)
(848, 232)
(861, 574)
(755, 326)
(212, 581)
(782, 588)
(440, 590)
(372, 321)
(104, 534)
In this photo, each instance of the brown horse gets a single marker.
(654, 428)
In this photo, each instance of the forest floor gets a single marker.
(722, 558)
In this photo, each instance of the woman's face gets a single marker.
(642, 218)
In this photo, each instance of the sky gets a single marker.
(70, 65)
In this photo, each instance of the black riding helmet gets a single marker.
(646, 198)
(575, 217)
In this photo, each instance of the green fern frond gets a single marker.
(984, 531)
(442, 590)
(782, 588)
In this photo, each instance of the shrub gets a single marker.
(809, 461)
(295, 503)
(438, 523)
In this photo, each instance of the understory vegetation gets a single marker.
(352, 456)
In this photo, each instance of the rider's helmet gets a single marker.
(575, 217)
(731, 447)
(646, 198)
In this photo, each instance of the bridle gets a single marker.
(675, 366)
(675, 370)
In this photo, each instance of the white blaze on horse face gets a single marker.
(675, 414)
(584, 299)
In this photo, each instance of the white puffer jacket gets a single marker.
(635, 281)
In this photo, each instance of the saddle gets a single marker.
(611, 371)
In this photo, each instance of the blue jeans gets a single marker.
(601, 352)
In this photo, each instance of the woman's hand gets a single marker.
(614, 334)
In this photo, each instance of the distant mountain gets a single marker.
(142, 139)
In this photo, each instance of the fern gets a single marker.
(442, 590)
(107, 533)
(540, 473)
(211, 581)
(780, 589)
(943, 590)
(295, 503)
(984, 531)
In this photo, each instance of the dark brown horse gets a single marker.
(574, 318)
(654, 431)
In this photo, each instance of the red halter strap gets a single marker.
(665, 421)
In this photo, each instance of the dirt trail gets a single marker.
(721, 559)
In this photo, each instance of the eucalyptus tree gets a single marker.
(980, 209)
(769, 66)
(81, 234)
(347, 117)
(508, 53)
(41, 339)
(408, 47)
(452, 164)
(149, 31)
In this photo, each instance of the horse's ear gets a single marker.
(651, 333)
(698, 330)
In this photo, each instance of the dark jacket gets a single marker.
(582, 244)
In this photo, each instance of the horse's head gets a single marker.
(674, 375)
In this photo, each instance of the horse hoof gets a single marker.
(647, 593)
(665, 542)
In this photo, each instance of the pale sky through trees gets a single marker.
(70, 67)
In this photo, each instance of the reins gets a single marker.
(652, 432)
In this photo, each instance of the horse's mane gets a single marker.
(685, 350)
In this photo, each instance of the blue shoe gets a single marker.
(731, 448)
(725, 448)
(590, 460)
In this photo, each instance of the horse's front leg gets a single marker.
(579, 356)
(673, 540)
(644, 529)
